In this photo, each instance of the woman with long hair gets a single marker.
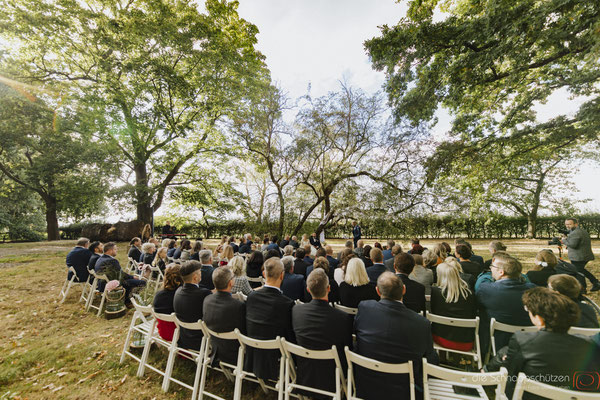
(254, 265)
(240, 282)
(163, 301)
(339, 273)
(356, 287)
(160, 260)
(226, 255)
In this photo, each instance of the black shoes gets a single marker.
(595, 287)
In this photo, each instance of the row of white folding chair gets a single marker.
(347, 310)
(143, 314)
(526, 385)
(92, 293)
(66, 287)
(459, 323)
(88, 289)
(259, 279)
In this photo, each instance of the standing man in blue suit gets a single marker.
(356, 233)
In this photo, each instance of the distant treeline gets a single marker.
(426, 227)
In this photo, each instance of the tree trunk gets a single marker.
(281, 212)
(142, 194)
(51, 218)
(531, 226)
(305, 216)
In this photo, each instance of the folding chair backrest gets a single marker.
(584, 331)
(525, 384)
(329, 354)
(458, 322)
(224, 335)
(271, 344)
(259, 279)
(348, 310)
(144, 310)
(499, 326)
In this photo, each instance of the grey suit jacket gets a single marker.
(579, 245)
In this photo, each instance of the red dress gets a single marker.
(165, 329)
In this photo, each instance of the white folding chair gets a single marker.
(74, 281)
(299, 351)
(499, 326)
(348, 310)
(584, 331)
(259, 279)
(460, 323)
(298, 301)
(94, 292)
(527, 385)
(156, 280)
(439, 382)
(374, 365)
(86, 290)
(132, 266)
(273, 344)
(139, 324)
(229, 370)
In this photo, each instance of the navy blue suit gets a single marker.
(387, 254)
(127, 281)
(206, 277)
(333, 263)
(389, 332)
(477, 259)
(293, 286)
(79, 259)
(374, 271)
(171, 251)
(274, 246)
(308, 261)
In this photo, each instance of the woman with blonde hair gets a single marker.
(545, 264)
(240, 282)
(356, 287)
(219, 249)
(440, 251)
(226, 255)
(304, 240)
(470, 279)
(452, 298)
(160, 260)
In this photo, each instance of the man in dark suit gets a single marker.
(79, 259)
(293, 285)
(107, 264)
(333, 263)
(167, 230)
(207, 269)
(377, 268)
(463, 253)
(356, 233)
(389, 264)
(317, 326)
(299, 264)
(268, 315)
(284, 242)
(307, 258)
(222, 313)
(233, 245)
(244, 246)
(314, 241)
(579, 247)
(389, 332)
(294, 242)
(414, 298)
(387, 253)
(501, 299)
(188, 303)
(97, 249)
(274, 246)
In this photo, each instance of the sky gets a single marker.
(320, 42)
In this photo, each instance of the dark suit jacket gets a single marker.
(268, 315)
(274, 246)
(245, 248)
(134, 253)
(315, 242)
(223, 313)
(187, 303)
(308, 260)
(477, 259)
(177, 254)
(294, 244)
(195, 256)
(163, 301)
(171, 251)
(471, 267)
(389, 264)
(79, 258)
(414, 298)
(235, 247)
(206, 279)
(350, 295)
(283, 243)
(464, 308)
(333, 263)
(374, 271)
(293, 286)
(540, 277)
(356, 233)
(300, 267)
(588, 317)
(93, 259)
(389, 332)
(317, 326)
(148, 258)
(549, 354)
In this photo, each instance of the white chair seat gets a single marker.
(443, 390)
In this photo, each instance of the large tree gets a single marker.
(490, 63)
(158, 74)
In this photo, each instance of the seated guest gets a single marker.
(294, 242)
(317, 326)
(339, 273)
(356, 286)
(272, 253)
(486, 276)
(186, 250)
(452, 298)
(222, 313)
(293, 285)
(421, 274)
(207, 269)
(308, 260)
(226, 255)
(430, 262)
(389, 263)
(333, 262)
(244, 246)
(463, 253)
(320, 253)
(501, 299)
(389, 332)
(334, 293)
(440, 251)
(148, 250)
(545, 262)
(549, 352)
(97, 249)
(171, 247)
(288, 251)
(415, 247)
(161, 260)
(220, 247)
(285, 242)
(299, 265)
(376, 268)
(268, 315)
(165, 242)
(177, 253)
(240, 280)
(188, 303)
(495, 245)
(254, 266)
(273, 245)
(79, 258)
(347, 245)
(265, 245)
(135, 249)
(167, 229)
(469, 278)
(366, 257)
(387, 253)
(108, 265)
(359, 248)
(314, 241)
(414, 296)
(570, 287)
(233, 245)
(163, 300)
(475, 258)
(195, 253)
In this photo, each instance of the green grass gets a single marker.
(53, 351)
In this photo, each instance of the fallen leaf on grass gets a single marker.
(61, 374)
(57, 389)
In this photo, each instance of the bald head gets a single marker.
(390, 286)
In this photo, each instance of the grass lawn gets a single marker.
(57, 351)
